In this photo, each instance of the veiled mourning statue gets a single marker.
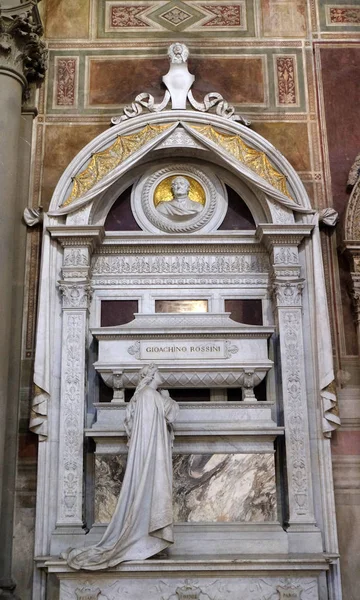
(142, 524)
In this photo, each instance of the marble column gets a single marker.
(22, 61)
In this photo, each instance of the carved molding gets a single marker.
(22, 52)
(261, 282)
(180, 264)
(241, 378)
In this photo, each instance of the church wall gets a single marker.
(293, 67)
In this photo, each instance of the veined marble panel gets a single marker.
(207, 487)
(224, 488)
(109, 475)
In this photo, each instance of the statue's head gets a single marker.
(178, 53)
(148, 374)
(180, 186)
(148, 371)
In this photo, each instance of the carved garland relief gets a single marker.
(72, 413)
(180, 264)
(260, 588)
(291, 323)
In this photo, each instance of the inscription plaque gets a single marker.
(182, 349)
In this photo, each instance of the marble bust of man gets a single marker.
(181, 207)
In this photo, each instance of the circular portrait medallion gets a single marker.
(179, 198)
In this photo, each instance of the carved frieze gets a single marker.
(180, 264)
(251, 588)
(206, 379)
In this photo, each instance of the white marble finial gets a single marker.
(179, 81)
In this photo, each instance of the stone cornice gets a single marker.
(23, 54)
(283, 235)
(73, 236)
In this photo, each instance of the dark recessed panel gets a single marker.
(245, 311)
(238, 215)
(120, 216)
(117, 312)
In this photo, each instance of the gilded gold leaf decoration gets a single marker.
(163, 191)
(102, 163)
(254, 159)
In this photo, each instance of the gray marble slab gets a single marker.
(208, 488)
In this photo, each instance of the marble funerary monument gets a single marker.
(217, 257)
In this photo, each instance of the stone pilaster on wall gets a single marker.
(76, 296)
(22, 62)
(287, 288)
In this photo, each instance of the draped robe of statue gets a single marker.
(142, 524)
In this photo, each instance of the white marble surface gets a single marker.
(204, 588)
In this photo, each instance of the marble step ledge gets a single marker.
(198, 440)
(194, 415)
(242, 564)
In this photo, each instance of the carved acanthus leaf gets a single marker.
(75, 295)
(288, 293)
(21, 47)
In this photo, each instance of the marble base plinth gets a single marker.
(278, 577)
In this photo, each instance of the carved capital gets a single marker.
(288, 293)
(75, 295)
(22, 52)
